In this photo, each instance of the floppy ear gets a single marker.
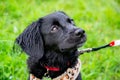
(31, 40)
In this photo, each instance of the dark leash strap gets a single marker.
(111, 44)
(80, 52)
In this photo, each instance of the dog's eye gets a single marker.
(54, 28)
(71, 21)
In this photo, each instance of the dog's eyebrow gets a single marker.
(71, 19)
(56, 23)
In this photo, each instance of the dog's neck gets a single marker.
(56, 59)
(52, 59)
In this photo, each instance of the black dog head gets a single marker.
(55, 31)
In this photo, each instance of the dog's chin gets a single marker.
(72, 45)
(72, 48)
(79, 45)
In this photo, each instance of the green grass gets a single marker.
(99, 18)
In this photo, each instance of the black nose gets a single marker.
(79, 32)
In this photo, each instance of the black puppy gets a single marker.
(51, 43)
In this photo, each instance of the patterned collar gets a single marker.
(69, 74)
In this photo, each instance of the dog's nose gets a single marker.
(79, 32)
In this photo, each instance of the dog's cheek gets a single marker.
(50, 40)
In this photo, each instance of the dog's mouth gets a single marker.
(73, 43)
(72, 48)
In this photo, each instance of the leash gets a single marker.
(111, 44)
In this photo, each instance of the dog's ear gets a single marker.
(31, 40)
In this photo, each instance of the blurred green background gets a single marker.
(99, 18)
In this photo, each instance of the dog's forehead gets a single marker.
(49, 19)
(56, 16)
